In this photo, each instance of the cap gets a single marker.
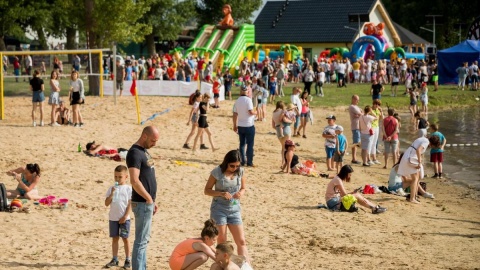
(331, 117)
(340, 128)
(289, 143)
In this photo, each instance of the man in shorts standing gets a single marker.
(355, 113)
(119, 76)
(390, 136)
(142, 177)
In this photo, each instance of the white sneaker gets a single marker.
(401, 192)
(428, 195)
(41, 123)
(56, 124)
(371, 163)
(377, 162)
(34, 123)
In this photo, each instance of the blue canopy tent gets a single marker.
(450, 59)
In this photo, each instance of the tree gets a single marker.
(167, 19)
(12, 15)
(210, 11)
(452, 11)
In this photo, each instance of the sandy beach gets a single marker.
(284, 229)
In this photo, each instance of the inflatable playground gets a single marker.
(372, 46)
(226, 45)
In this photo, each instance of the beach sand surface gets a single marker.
(283, 227)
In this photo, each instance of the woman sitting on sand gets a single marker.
(398, 183)
(335, 191)
(292, 163)
(28, 179)
(193, 252)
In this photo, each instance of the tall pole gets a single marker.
(434, 16)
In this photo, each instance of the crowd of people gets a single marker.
(227, 182)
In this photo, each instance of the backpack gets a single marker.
(3, 198)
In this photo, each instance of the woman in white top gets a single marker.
(398, 183)
(54, 98)
(77, 97)
(411, 162)
(366, 137)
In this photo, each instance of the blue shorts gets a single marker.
(304, 115)
(38, 96)
(287, 130)
(356, 135)
(114, 228)
(272, 91)
(226, 212)
(334, 203)
(329, 151)
(187, 79)
(264, 100)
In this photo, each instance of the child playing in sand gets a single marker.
(63, 114)
(28, 179)
(119, 219)
(223, 258)
(194, 252)
(340, 145)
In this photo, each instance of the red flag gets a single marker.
(133, 88)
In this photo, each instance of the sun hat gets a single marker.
(290, 106)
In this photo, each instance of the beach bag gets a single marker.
(348, 203)
(3, 198)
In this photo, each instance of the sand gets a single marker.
(284, 229)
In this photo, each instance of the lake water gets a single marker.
(459, 126)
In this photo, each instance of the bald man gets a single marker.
(355, 113)
(142, 177)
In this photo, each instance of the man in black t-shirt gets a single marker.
(142, 177)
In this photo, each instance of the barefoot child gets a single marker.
(436, 154)
(118, 198)
(223, 256)
(340, 145)
(193, 252)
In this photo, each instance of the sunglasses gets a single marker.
(232, 166)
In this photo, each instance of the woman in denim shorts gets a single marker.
(229, 182)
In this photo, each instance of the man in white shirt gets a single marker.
(341, 69)
(295, 99)
(243, 124)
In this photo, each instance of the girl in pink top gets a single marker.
(304, 113)
(335, 191)
(193, 252)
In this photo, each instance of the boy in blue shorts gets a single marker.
(436, 154)
(119, 198)
(340, 145)
(329, 135)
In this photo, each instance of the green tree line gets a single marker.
(104, 22)
(411, 14)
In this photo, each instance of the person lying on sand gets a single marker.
(292, 163)
(98, 149)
